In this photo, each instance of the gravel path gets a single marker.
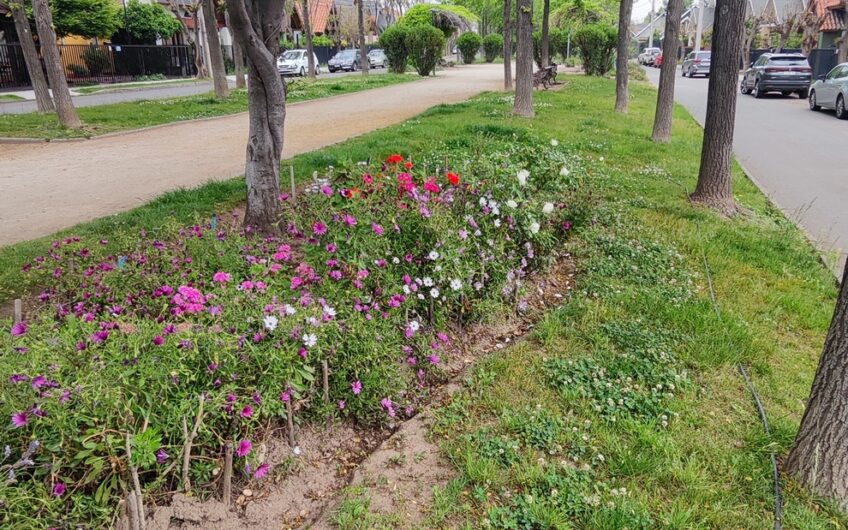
(45, 187)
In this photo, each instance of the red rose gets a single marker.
(453, 178)
(394, 159)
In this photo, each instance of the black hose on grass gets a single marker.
(778, 497)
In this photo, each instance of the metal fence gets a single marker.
(822, 61)
(108, 63)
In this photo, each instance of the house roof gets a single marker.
(319, 13)
(832, 14)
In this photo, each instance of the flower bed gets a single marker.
(375, 264)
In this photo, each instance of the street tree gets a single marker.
(191, 8)
(363, 51)
(33, 63)
(665, 94)
(507, 44)
(307, 30)
(86, 18)
(819, 457)
(624, 13)
(216, 54)
(524, 60)
(714, 183)
(546, 39)
(256, 25)
(68, 116)
(147, 22)
(752, 27)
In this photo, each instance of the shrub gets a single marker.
(537, 48)
(424, 44)
(96, 60)
(492, 46)
(469, 44)
(559, 43)
(393, 41)
(596, 43)
(423, 15)
(321, 40)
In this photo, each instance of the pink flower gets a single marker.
(19, 419)
(368, 179)
(221, 277)
(296, 282)
(342, 404)
(247, 411)
(432, 186)
(285, 396)
(356, 386)
(189, 300)
(387, 404)
(244, 448)
(377, 229)
(261, 471)
(434, 359)
(162, 456)
(331, 248)
(319, 228)
(349, 219)
(58, 489)
(158, 340)
(19, 328)
(327, 190)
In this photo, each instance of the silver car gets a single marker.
(296, 62)
(377, 58)
(648, 56)
(831, 91)
(696, 63)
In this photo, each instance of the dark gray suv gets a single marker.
(696, 63)
(778, 72)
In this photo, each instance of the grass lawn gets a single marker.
(624, 407)
(115, 117)
(10, 97)
(131, 86)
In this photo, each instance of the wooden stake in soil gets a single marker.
(290, 417)
(189, 438)
(136, 499)
(19, 310)
(132, 511)
(228, 473)
(291, 177)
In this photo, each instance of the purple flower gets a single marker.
(285, 396)
(17, 378)
(342, 404)
(58, 489)
(356, 386)
(387, 404)
(38, 382)
(162, 456)
(244, 448)
(19, 419)
(19, 328)
(221, 277)
(319, 228)
(247, 411)
(377, 229)
(158, 340)
(349, 219)
(261, 471)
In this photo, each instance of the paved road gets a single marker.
(796, 156)
(48, 186)
(152, 92)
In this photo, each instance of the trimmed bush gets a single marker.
(492, 46)
(559, 42)
(393, 41)
(424, 44)
(469, 44)
(597, 43)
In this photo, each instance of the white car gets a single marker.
(377, 58)
(296, 62)
(648, 56)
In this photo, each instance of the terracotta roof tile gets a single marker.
(833, 20)
(319, 14)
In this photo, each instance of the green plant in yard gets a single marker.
(393, 40)
(86, 18)
(596, 43)
(425, 44)
(446, 17)
(469, 44)
(559, 42)
(492, 46)
(97, 61)
(147, 22)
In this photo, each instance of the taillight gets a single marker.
(697, 61)
(771, 69)
(805, 69)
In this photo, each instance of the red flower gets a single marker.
(453, 178)
(394, 159)
(409, 165)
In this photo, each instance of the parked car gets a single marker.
(344, 60)
(831, 91)
(377, 58)
(696, 63)
(778, 72)
(648, 55)
(296, 62)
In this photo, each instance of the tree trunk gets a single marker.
(216, 54)
(256, 26)
(624, 13)
(545, 44)
(238, 57)
(750, 35)
(33, 63)
(819, 459)
(842, 53)
(307, 30)
(199, 47)
(524, 60)
(714, 185)
(507, 46)
(363, 51)
(665, 95)
(68, 116)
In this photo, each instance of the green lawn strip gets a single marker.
(10, 97)
(102, 119)
(96, 89)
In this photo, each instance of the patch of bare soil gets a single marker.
(398, 469)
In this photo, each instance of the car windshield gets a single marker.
(346, 54)
(704, 55)
(291, 56)
(788, 61)
(375, 52)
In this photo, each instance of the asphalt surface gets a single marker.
(796, 156)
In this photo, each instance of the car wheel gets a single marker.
(841, 112)
(802, 94)
(812, 101)
(757, 92)
(302, 72)
(743, 88)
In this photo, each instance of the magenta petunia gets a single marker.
(244, 448)
(158, 340)
(19, 329)
(221, 277)
(19, 419)
(247, 411)
(261, 471)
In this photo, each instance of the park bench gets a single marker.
(545, 76)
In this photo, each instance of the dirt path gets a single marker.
(49, 186)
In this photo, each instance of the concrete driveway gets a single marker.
(799, 158)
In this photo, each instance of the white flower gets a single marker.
(512, 204)
(601, 159)
(405, 289)
(329, 311)
(414, 325)
(483, 201)
(548, 208)
(290, 310)
(428, 282)
(497, 223)
(437, 268)
(420, 296)
(564, 172)
(310, 340)
(554, 142)
(433, 255)
(312, 321)
(534, 227)
(434, 292)
(496, 210)
(270, 322)
(523, 175)
(395, 260)
(456, 284)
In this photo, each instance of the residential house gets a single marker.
(833, 21)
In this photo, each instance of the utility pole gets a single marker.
(700, 27)
(651, 36)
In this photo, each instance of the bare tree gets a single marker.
(238, 56)
(307, 30)
(751, 28)
(256, 26)
(819, 458)
(363, 50)
(524, 59)
(216, 54)
(665, 94)
(192, 8)
(786, 28)
(714, 184)
(810, 24)
(33, 63)
(625, 9)
(507, 45)
(68, 116)
(546, 43)
(842, 53)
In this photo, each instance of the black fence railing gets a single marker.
(108, 63)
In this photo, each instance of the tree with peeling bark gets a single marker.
(819, 457)
(546, 39)
(307, 31)
(665, 94)
(524, 60)
(714, 182)
(363, 50)
(68, 116)
(507, 46)
(216, 54)
(625, 10)
(33, 62)
(256, 25)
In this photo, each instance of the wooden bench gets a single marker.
(545, 77)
